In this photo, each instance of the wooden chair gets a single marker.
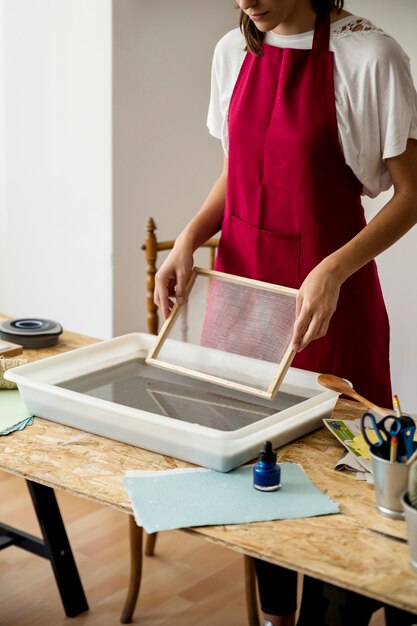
(151, 248)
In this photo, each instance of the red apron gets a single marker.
(292, 200)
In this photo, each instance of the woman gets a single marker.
(314, 107)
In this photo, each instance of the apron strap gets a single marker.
(322, 32)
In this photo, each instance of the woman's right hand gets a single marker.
(172, 278)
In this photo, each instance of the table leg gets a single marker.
(58, 549)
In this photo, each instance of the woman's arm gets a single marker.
(319, 293)
(173, 275)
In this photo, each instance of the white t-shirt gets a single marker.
(376, 102)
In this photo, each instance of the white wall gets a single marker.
(105, 104)
(398, 265)
(164, 160)
(3, 216)
(55, 213)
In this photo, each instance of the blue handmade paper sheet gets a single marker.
(181, 498)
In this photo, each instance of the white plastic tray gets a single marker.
(157, 425)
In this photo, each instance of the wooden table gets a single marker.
(340, 549)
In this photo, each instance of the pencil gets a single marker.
(397, 407)
(393, 449)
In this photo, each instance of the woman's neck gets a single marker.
(302, 20)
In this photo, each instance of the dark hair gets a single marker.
(254, 37)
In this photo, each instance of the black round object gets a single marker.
(31, 332)
(28, 324)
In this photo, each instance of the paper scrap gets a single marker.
(348, 432)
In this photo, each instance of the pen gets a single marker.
(397, 407)
(412, 458)
(393, 449)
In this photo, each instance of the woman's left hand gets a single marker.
(316, 302)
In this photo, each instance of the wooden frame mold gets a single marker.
(282, 367)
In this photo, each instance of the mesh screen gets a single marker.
(133, 383)
(230, 330)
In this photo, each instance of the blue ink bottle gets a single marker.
(267, 472)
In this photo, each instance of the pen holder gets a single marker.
(391, 480)
(411, 523)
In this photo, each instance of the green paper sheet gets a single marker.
(12, 409)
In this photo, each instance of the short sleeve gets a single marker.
(227, 61)
(377, 108)
(215, 115)
(397, 102)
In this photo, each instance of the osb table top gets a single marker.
(341, 549)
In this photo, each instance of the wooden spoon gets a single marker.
(341, 386)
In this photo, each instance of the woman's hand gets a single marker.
(316, 302)
(172, 278)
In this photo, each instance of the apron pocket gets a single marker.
(261, 254)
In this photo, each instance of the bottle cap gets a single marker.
(267, 455)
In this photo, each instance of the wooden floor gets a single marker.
(188, 582)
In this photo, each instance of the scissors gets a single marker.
(384, 430)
